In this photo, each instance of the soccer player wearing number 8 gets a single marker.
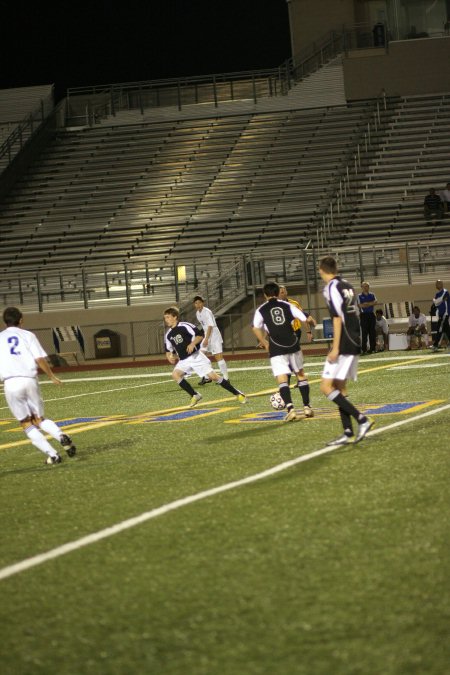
(273, 326)
(182, 342)
(342, 360)
(20, 355)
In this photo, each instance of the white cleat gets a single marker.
(363, 429)
(342, 440)
(308, 411)
(291, 416)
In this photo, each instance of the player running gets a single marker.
(273, 327)
(182, 342)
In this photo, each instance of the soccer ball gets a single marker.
(277, 402)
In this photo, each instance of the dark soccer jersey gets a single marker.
(276, 316)
(341, 301)
(177, 339)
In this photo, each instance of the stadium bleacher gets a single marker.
(173, 191)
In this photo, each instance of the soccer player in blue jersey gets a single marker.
(182, 342)
(342, 360)
(441, 306)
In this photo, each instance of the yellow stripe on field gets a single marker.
(104, 423)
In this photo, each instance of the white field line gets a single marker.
(93, 538)
(94, 393)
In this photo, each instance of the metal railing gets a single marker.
(223, 281)
(19, 136)
(88, 105)
(354, 164)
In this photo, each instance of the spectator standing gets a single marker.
(433, 206)
(441, 308)
(417, 327)
(212, 342)
(381, 330)
(21, 354)
(366, 304)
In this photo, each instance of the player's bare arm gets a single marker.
(172, 358)
(261, 337)
(205, 340)
(192, 345)
(333, 354)
(44, 366)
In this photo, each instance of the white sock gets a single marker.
(39, 441)
(223, 368)
(51, 428)
(408, 340)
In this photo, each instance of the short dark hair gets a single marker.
(378, 311)
(328, 264)
(271, 289)
(173, 311)
(416, 307)
(12, 316)
(198, 297)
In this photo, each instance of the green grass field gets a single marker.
(335, 565)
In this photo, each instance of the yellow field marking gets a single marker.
(151, 417)
(104, 423)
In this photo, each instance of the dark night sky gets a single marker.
(99, 42)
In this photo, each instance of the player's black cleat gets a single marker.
(204, 380)
(68, 446)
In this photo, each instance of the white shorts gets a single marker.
(24, 397)
(345, 368)
(285, 364)
(195, 363)
(215, 344)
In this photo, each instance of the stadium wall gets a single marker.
(408, 68)
(140, 327)
(310, 20)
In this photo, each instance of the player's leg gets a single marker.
(17, 392)
(333, 386)
(39, 441)
(179, 376)
(222, 364)
(296, 363)
(55, 432)
(226, 384)
(281, 369)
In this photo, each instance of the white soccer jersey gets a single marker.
(19, 350)
(420, 320)
(382, 325)
(206, 318)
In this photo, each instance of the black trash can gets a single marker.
(107, 344)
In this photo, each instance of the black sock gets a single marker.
(344, 404)
(187, 387)
(285, 394)
(228, 386)
(303, 387)
(346, 422)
